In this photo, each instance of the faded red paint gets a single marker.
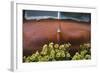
(37, 33)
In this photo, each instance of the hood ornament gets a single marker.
(58, 34)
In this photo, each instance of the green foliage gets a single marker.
(68, 56)
(88, 56)
(56, 52)
(77, 56)
(44, 50)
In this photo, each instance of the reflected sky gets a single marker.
(37, 14)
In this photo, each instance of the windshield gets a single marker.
(37, 15)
